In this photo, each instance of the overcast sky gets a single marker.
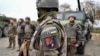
(23, 8)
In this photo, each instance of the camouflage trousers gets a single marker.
(11, 40)
(20, 39)
(71, 50)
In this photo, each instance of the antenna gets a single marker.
(79, 6)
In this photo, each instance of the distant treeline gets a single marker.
(4, 18)
(96, 30)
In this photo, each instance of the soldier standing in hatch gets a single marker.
(29, 29)
(20, 31)
(72, 41)
(12, 33)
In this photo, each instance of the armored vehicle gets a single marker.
(63, 16)
(80, 18)
(4, 21)
(83, 20)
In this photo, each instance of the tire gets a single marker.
(1, 33)
(5, 31)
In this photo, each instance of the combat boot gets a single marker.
(19, 48)
(13, 46)
(9, 45)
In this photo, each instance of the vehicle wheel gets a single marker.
(0, 32)
(5, 31)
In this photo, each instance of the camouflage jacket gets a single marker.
(29, 28)
(12, 29)
(20, 28)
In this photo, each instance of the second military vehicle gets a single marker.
(84, 21)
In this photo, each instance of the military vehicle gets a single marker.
(80, 18)
(83, 20)
(63, 16)
(4, 21)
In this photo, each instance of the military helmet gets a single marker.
(72, 15)
(47, 4)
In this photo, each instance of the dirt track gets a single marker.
(92, 47)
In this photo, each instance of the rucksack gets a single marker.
(51, 36)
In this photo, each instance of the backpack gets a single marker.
(50, 36)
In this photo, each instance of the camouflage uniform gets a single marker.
(20, 33)
(46, 8)
(71, 29)
(12, 35)
(54, 52)
(29, 30)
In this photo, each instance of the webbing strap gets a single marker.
(47, 14)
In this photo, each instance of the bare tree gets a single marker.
(65, 7)
(97, 9)
(89, 6)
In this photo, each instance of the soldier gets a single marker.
(29, 29)
(20, 31)
(47, 10)
(72, 29)
(12, 33)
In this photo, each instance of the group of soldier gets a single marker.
(23, 29)
(67, 35)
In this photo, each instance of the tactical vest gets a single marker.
(12, 29)
(71, 30)
(46, 32)
(28, 28)
(50, 37)
(20, 29)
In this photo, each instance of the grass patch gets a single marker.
(96, 30)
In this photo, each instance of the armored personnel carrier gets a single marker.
(4, 21)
